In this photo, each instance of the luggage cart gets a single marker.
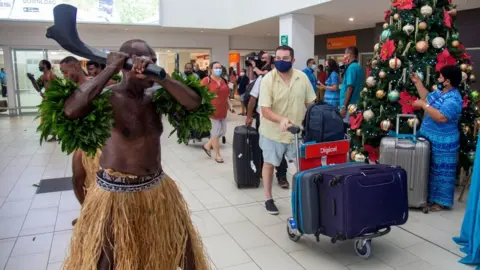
(314, 155)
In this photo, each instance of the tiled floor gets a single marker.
(35, 229)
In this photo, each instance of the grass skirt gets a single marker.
(148, 230)
(91, 167)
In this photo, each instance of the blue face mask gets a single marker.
(283, 66)
(217, 72)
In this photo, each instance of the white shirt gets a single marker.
(256, 92)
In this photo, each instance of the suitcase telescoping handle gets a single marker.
(397, 129)
(295, 130)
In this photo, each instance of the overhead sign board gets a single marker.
(140, 12)
(341, 42)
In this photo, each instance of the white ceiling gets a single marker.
(330, 17)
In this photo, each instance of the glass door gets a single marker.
(26, 61)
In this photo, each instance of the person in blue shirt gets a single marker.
(311, 71)
(442, 108)
(352, 83)
(3, 82)
(332, 96)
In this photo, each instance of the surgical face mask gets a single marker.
(441, 85)
(283, 66)
(313, 66)
(217, 72)
(242, 74)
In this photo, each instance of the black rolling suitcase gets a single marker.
(246, 157)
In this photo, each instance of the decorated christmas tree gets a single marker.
(419, 36)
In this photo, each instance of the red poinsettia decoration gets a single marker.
(356, 121)
(466, 101)
(445, 59)
(406, 100)
(373, 153)
(388, 48)
(447, 19)
(387, 15)
(404, 4)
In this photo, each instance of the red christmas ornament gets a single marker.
(373, 153)
(466, 101)
(388, 48)
(356, 121)
(445, 59)
(406, 100)
(404, 4)
(447, 19)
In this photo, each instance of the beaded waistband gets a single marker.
(109, 182)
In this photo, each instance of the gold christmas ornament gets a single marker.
(382, 74)
(452, 12)
(466, 129)
(376, 47)
(358, 132)
(386, 125)
(380, 94)
(396, 16)
(385, 25)
(413, 122)
(364, 92)
(426, 11)
(374, 63)
(470, 69)
(464, 67)
(422, 26)
(352, 108)
(455, 43)
(464, 76)
(421, 46)
(353, 154)
(473, 78)
(395, 63)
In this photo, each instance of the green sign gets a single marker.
(284, 40)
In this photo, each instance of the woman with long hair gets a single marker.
(331, 86)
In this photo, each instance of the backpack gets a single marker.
(323, 123)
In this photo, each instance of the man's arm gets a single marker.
(182, 93)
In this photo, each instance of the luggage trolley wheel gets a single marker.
(363, 248)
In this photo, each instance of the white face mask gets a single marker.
(314, 67)
(242, 74)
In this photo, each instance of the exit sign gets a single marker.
(284, 40)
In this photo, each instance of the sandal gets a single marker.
(220, 161)
(209, 154)
(436, 208)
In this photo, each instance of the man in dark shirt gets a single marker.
(242, 83)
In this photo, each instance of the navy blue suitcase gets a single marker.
(350, 200)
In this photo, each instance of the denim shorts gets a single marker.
(273, 151)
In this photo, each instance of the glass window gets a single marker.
(26, 61)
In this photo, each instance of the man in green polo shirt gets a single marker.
(353, 80)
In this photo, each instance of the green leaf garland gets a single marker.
(185, 122)
(88, 133)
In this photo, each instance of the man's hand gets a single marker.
(117, 60)
(414, 78)
(285, 123)
(248, 121)
(343, 112)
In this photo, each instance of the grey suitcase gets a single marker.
(414, 157)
